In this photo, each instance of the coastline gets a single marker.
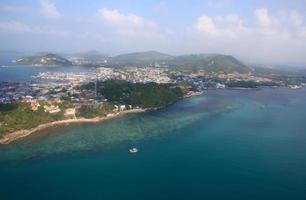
(13, 136)
(192, 94)
(10, 137)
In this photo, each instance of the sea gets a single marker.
(223, 144)
(11, 72)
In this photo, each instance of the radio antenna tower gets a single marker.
(96, 88)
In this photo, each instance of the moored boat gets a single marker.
(133, 150)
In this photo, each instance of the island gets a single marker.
(50, 59)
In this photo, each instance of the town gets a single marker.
(104, 92)
(52, 86)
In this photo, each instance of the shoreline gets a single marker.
(192, 94)
(11, 137)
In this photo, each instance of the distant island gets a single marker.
(43, 60)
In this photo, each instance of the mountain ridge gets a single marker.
(143, 56)
(211, 62)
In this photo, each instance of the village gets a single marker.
(48, 90)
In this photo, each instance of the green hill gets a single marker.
(147, 56)
(91, 55)
(193, 62)
(209, 63)
(144, 95)
(43, 60)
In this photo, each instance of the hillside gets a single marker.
(144, 95)
(193, 62)
(92, 55)
(147, 56)
(43, 60)
(209, 62)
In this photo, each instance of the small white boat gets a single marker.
(133, 150)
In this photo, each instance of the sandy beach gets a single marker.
(23, 133)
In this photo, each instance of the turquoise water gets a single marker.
(225, 144)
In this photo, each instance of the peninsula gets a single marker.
(93, 103)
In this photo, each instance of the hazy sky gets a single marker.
(264, 31)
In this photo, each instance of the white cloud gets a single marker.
(14, 27)
(297, 22)
(267, 24)
(49, 10)
(232, 26)
(117, 19)
(205, 24)
(221, 26)
(296, 18)
(127, 24)
(268, 38)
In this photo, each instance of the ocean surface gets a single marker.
(224, 144)
(24, 73)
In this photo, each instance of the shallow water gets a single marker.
(225, 144)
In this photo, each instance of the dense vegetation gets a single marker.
(91, 111)
(209, 63)
(48, 60)
(147, 57)
(146, 95)
(194, 62)
(17, 116)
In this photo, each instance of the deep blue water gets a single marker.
(225, 144)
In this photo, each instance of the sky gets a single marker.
(270, 31)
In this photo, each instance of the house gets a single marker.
(70, 112)
(28, 99)
(122, 107)
(34, 105)
(58, 100)
(116, 108)
(52, 109)
(220, 86)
